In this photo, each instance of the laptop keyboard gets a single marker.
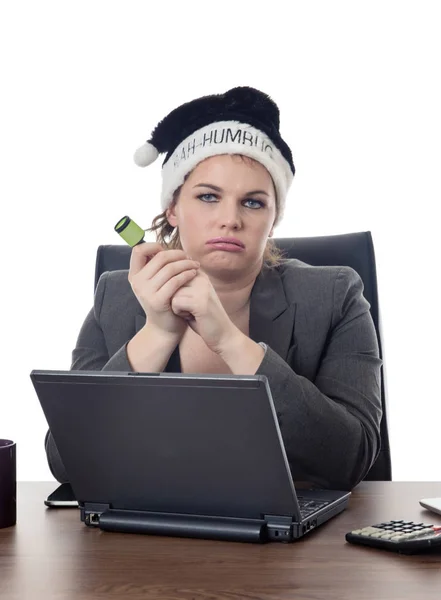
(308, 507)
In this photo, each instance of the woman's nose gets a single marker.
(229, 215)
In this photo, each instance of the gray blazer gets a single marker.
(322, 363)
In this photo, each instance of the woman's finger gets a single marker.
(180, 304)
(171, 270)
(167, 291)
(141, 255)
(161, 259)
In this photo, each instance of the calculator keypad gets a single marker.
(397, 531)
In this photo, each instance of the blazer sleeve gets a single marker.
(90, 354)
(331, 426)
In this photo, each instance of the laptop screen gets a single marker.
(195, 444)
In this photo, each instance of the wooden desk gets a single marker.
(51, 554)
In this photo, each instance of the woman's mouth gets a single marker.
(227, 244)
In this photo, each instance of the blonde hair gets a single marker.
(168, 236)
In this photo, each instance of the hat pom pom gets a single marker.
(145, 155)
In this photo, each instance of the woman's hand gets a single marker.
(156, 275)
(199, 304)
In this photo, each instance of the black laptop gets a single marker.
(179, 454)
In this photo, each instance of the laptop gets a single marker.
(179, 454)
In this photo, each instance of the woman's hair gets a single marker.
(168, 236)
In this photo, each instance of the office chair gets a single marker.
(354, 250)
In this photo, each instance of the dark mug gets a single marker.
(8, 484)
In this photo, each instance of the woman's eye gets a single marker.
(207, 197)
(250, 203)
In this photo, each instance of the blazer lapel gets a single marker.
(271, 316)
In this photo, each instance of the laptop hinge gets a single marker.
(181, 525)
(279, 528)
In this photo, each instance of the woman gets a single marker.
(212, 296)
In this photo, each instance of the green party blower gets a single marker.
(130, 231)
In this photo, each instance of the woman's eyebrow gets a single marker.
(208, 185)
(256, 192)
(218, 189)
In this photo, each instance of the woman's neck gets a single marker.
(234, 294)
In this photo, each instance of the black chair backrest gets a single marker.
(354, 250)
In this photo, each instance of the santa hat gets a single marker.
(241, 121)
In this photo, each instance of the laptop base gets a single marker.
(271, 528)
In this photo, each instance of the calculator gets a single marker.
(406, 537)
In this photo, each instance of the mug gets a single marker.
(8, 484)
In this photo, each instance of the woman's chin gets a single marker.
(225, 263)
(223, 260)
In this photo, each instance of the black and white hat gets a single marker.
(241, 121)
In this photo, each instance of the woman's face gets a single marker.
(225, 213)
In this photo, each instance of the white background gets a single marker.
(84, 83)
